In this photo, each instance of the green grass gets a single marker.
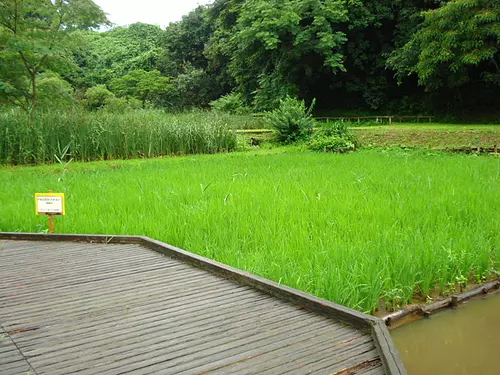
(351, 228)
(103, 135)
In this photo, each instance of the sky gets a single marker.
(156, 12)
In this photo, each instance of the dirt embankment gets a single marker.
(434, 139)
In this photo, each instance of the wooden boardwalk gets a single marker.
(115, 306)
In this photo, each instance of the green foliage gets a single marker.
(141, 85)
(106, 134)
(333, 137)
(53, 91)
(230, 103)
(458, 36)
(97, 96)
(295, 38)
(292, 121)
(121, 105)
(184, 42)
(193, 88)
(35, 37)
(113, 54)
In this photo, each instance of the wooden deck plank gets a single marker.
(114, 353)
(156, 312)
(175, 283)
(98, 308)
(207, 349)
(12, 361)
(126, 336)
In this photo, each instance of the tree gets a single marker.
(141, 85)
(195, 83)
(108, 55)
(53, 91)
(36, 36)
(279, 42)
(184, 43)
(97, 96)
(455, 43)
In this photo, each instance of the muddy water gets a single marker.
(465, 341)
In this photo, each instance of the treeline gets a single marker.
(241, 56)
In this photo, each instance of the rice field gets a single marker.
(102, 135)
(355, 228)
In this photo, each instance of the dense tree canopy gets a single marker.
(451, 44)
(36, 36)
(351, 55)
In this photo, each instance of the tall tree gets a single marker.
(141, 85)
(279, 42)
(112, 54)
(36, 36)
(195, 83)
(456, 43)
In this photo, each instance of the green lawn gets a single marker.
(351, 228)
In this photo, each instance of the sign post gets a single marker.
(50, 204)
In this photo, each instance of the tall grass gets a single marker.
(105, 135)
(351, 228)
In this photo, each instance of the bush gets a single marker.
(96, 96)
(121, 105)
(291, 120)
(334, 137)
(230, 103)
(53, 91)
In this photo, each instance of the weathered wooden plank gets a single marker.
(349, 365)
(66, 330)
(82, 311)
(270, 346)
(11, 359)
(295, 354)
(387, 350)
(140, 333)
(76, 276)
(116, 307)
(220, 347)
(16, 368)
(94, 290)
(112, 353)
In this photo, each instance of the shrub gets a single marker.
(334, 137)
(53, 91)
(121, 105)
(230, 103)
(96, 96)
(291, 120)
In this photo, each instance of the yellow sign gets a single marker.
(49, 204)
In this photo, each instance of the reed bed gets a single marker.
(355, 228)
(85, 136)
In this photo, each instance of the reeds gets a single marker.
(105, 135)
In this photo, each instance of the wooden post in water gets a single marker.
(454, 302)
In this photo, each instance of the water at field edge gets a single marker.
(465, 341)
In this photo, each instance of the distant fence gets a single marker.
(380, 119)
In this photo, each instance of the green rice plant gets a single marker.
(105, 135)
(352, 228)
